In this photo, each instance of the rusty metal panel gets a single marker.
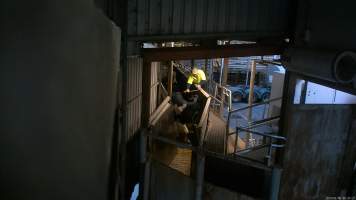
(207, 18)
(317, 142)
(134, 95)
(217, 193)
(167, 183)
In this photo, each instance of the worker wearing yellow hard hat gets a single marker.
(197, 77)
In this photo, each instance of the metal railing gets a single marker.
(221, 102)
(270, 140)
(221, 98)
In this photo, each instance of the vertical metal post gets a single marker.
(170, 79)
(251, 98)
(228, 123)
(205, 68)
(147, 179)
(236, 140)
(287, 99)
(215, 94)
(225, 71)
(247, 74)
(145, 115)
(269, 153)
(200, 176)
(230, 100)
(275, 183)
(227, 132)
(211, 75)
(221, 71)
(146, 93)
(145, 162)
(264, 111)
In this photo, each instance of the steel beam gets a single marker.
(240, 35)
(199, 52)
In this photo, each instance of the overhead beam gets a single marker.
(185, 53)
(240, 35)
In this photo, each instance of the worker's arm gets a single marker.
(201, 84)
(189, 83)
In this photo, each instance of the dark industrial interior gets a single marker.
(178, 99)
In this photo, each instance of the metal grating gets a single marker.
(207, 18)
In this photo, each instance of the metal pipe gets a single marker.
(147, 179)
(344, 67)
(275, 183)
(337, 67)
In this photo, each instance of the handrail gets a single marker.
(216, 99)
(181, 69)
(252, 148)
(258, 123)
(160, 110)
(163, 89)
(256, 104)
(262, 122)
(263, 134)
(205, 151)
(205, 112)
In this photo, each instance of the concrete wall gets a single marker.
(58, 74)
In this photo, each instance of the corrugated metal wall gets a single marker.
(134, 95)
(134, 92)
(251, 18)
(154, 86)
